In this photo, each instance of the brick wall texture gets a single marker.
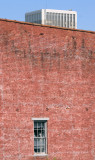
(46, 72)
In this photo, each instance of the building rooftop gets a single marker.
(55, 10)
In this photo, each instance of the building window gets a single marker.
(67, 20)
(40, 136)
(64, 20)
(74, 20)
(70, 20)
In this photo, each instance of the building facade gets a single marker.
(47, 92)
(51, 17)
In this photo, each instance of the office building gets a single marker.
(60, 18)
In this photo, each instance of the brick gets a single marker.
(46, 75)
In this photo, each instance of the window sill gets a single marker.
(40, 155)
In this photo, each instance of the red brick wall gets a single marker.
(47, 72)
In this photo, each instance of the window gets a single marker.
(67, 20)
(74, 20)
(58, 19)
(64, 20)
(47, 18)
(70, 20)
(40, 136)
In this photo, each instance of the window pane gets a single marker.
(74, 20)
(43, 149)
(61, 20)
(64, 20)
(55, 19)
(43, 142)
(38, 150)
(39, 125)
(43, 125)
(39, 133)
(35, 142)
(43, 133)
(39, 142)
(35, 125)
(58, 19)
(35, 149)
(68, 20)
(35, 133)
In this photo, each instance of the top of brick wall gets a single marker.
(35, 24)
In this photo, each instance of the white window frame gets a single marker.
(42, 120)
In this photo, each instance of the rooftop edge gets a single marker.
(35, 24)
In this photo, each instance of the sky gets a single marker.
(16, 9)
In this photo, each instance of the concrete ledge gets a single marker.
(40, 155)
(40, 119)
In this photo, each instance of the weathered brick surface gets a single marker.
(47, 72)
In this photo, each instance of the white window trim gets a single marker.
(40, 119)
(40, 155)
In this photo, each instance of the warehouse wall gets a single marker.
(46, 72)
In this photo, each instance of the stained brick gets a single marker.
(46, 72)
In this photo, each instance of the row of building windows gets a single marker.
(35, 18)
(54, 19)
(60, 19)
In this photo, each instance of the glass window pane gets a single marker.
(43, 149)
(43, 125)
(39, 133)
(43, 142)
(71, 20)
(35, 125)
(61, 20)
(39, 142)
(55, 19)
(38, 150)
(35, 133)
(68, 20)
(43, 133)
(58, 19)
(64, 20)
(35, 149)
(74, 20)
(39, 125)
(35, 142)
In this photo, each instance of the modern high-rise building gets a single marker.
(60, 18)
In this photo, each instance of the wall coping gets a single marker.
(41, 25)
